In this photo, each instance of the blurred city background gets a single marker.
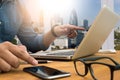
(46, 13)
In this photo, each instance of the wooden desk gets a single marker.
(18, 74)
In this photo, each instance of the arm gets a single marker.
(26, 34)
(36, 42)
(61, 30)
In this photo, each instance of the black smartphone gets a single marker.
(46, 73)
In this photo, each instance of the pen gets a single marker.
(42, 61)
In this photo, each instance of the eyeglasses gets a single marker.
(83, 65)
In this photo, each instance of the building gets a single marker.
(85, 24)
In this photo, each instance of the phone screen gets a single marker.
(46, 72)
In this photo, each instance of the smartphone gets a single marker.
(46, 73)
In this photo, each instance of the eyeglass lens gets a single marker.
(101, 72)
(80, 68)
(97, 70)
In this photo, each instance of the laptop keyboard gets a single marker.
(66, 53)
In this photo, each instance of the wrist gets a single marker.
(53, 31)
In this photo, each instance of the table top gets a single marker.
(19, 74)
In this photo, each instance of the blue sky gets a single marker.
(117, 6)
(88, 9)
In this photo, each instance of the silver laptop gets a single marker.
(91, 43)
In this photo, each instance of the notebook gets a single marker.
(91, 43)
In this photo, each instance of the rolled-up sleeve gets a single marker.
(32, 40)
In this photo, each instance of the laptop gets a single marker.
(91, 43)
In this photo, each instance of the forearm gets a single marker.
(32, 40)
(48, 38)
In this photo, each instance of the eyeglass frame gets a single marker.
(88, 66)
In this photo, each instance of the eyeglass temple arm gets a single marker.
(98, 58)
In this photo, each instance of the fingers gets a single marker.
(72, 34)
(73, 27)
(22, 54)
(10, 54)
(4, 66)
(69, 30)
(10, 58)
(22, 47)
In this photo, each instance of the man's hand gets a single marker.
(10, 54)
(69, 30)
